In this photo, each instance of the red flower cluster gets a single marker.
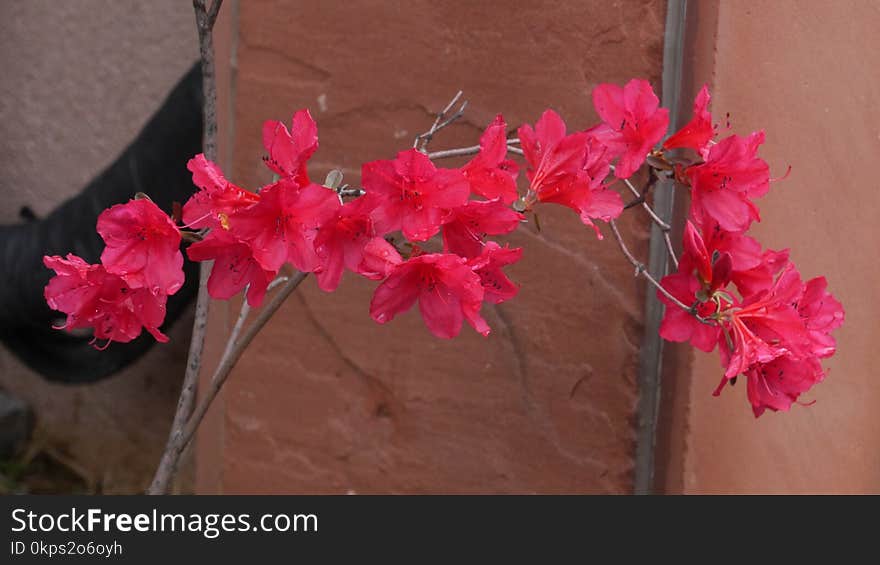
(140, 267)
(775, 329)
(311, 227)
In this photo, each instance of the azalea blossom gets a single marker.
(723, 187)
(93, 298)
(633, 123)
(282, 226)
(742, 259)
(143, 246)
(412, 195)
(490, 173)
(217, 198)
(341, 240)
(469, 225)
(698, 132)
(234, 267)
(822, 313)
(380, 258)
(680, 325)
(568, 170)
(712, 266)
(446, 288)
(497, 288)
(766, 326)
(777, 384)
(289, 150)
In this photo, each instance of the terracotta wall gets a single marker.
(328, 401)
(79, 81)
(805, 72)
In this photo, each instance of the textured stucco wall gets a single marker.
(803, 72)
(79, 80)
(328, 401)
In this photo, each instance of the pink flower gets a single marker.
(760, 277)
(709, 262)
(469, 225)
(217, 198)
(491, 174)
(497, 288)
(787, 361)
(722, 188)
(777, 338)
(821, 313)
(412, 195)
(92, 297)
(234, 267)
(633, 122)
(290, 150)
(143, 246)
(679, 325)
(341, 240)
(712, 266)
(697, 133)
(568, 170)
(741, 257)
(776, 385)
(379, 260)
(766, 326)
(446, 288)
(282, 226)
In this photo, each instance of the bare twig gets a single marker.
(212, 13)
(235, 350)
(459, 152)
(239, 324)
(669, 249)
(465, 151)
(205, 19)
(641, 269)
(664, 227)
(654, 217)
(440, 122)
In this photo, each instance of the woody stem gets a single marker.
(472, 150)
(235, 347)
(205, 19)
(641, 269)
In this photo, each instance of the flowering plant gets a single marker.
(427, 235)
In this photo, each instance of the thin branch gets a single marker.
(664, 227)
(641, 269)
(213, 11)
(440, 122)
(459, 152)
(465, 151)
(235, 351)
(669, 249)
(239, 324)
(168, 463)
(654, 217)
